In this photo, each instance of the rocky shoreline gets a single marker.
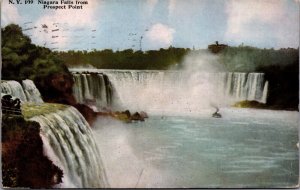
(126, 116)
(257, 105)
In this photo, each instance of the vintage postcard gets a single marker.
(150, 93)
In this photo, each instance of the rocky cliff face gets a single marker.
(57, 88)
(23, 161)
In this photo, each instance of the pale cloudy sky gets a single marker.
(123, 24)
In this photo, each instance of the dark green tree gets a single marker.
(23, 60)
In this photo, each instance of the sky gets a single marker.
(154, 24)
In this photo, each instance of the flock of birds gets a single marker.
(81, 37)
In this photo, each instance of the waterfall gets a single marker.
(67, 138)
(13, 88)
(27, 92)
(243, 86)
(93, 88)
(69, 143)
(167, 91)
(31, 92)
(265, 93)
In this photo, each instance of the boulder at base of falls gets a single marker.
(137, 117)
(144, 114)
(122, 116)
(88, 113)
(257, 105)
(127, 113)
(127, 117)
(23, 161)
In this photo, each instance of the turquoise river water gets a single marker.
(245, 148)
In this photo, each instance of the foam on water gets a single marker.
(239, 150)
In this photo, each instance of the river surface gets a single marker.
(244, 148)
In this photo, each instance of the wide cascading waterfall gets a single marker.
(180, 91)
(31, 92)
(27, 92)
(93, 88)
(69, 143)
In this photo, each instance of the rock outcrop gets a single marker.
(23, 161)
(137, 117)
(57, 88)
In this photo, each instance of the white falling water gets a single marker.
(31, 92)
(13, 88)
(92, 88)
(265, 93)
(27, 92)
(69, 143)
(243, 86)
(178, 91)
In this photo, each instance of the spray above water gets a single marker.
(202, 62)
(202, 81)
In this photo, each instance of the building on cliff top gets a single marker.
(216, 48)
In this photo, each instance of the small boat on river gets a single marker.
(216, 114)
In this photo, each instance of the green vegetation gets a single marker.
(31, 110)
(126, 59)
(122, 117)
(250, 104)
(23, 60)
(235, 59)
(251, 59)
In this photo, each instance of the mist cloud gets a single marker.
(202, 62)
(160, 35)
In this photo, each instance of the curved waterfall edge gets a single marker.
(69, 143)
(154, 90)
